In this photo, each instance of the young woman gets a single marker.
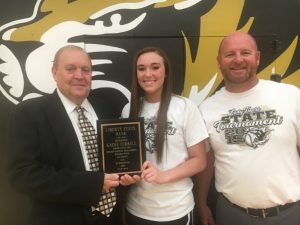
(175, 133)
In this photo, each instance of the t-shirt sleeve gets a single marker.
(195, 129)
(298, 119)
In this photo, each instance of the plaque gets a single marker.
(121, 145)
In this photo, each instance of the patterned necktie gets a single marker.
(108, 199)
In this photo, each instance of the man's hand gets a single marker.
(110, 180)
(126, 179)
(206, 217)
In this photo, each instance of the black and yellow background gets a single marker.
(190, 36)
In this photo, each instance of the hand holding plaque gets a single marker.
(122, 145)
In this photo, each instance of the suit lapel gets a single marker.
(64, 132)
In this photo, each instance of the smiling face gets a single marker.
(72, 72)
(151, 75)
(238, 60)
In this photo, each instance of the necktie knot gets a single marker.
(85, 125)
(80, 110)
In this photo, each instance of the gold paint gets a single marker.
(293, 78)
(61, 11)
(167, 3)
(220, 21)
(281, 64)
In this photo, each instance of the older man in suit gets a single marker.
(48, 159)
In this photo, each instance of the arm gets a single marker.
(195, 164)
(110, 180)
(202, 184)
(47, 165)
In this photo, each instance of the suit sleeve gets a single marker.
(39, 167)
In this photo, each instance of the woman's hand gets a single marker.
(151, 174)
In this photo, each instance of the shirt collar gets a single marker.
(69, 105)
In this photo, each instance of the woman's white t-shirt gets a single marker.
(170, 201)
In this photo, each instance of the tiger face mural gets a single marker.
(112, 31)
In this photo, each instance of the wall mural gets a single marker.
(112, 31)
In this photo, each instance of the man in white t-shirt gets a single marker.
(254, 130)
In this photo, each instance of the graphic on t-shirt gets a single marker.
(248, 126)
(150, 132)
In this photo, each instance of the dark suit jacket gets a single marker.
(46, 164)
